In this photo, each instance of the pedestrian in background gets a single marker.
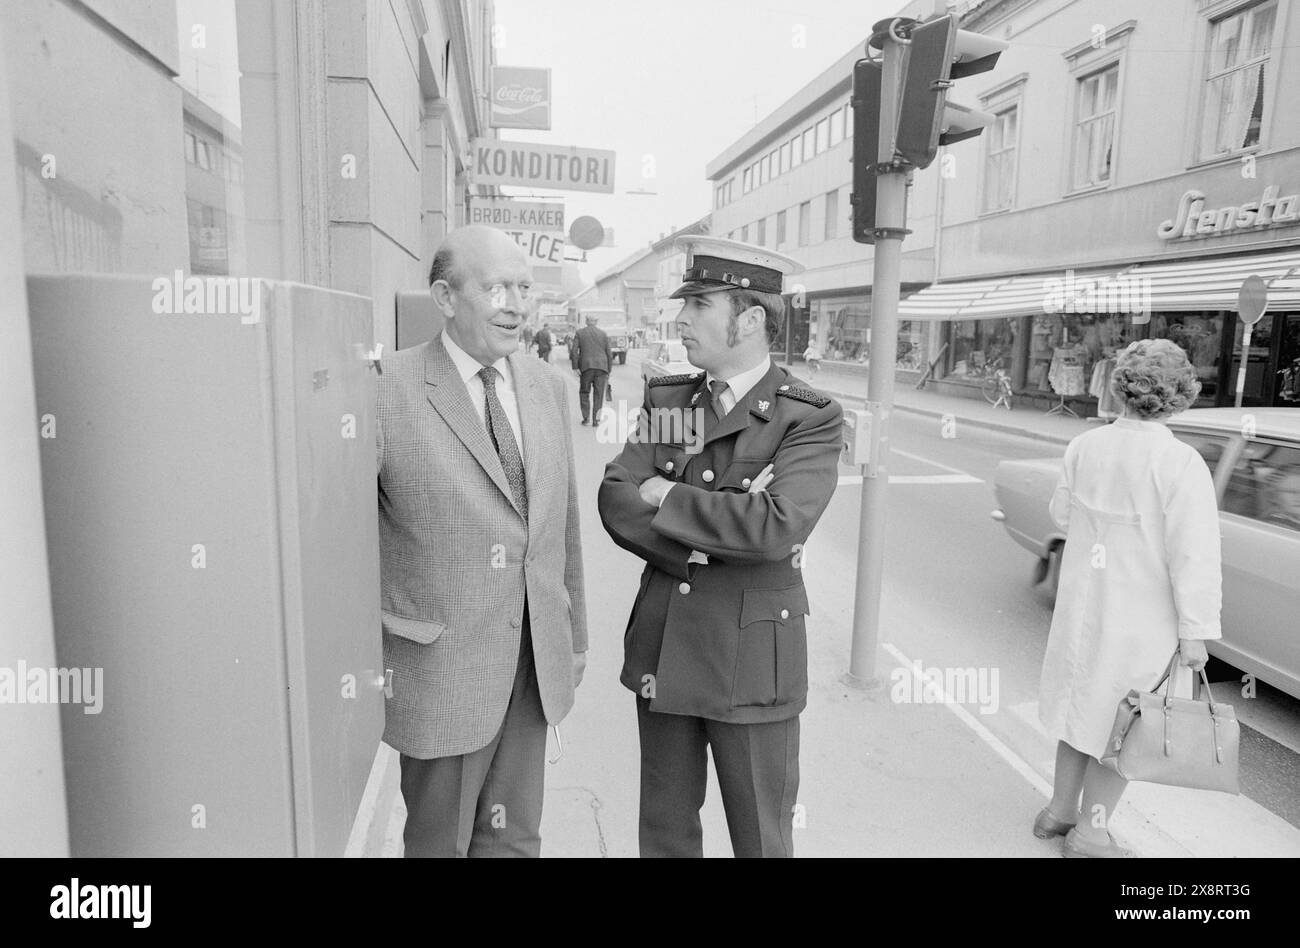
(719, 509)
(484, 622)
(543, 341)
(593, 358)
(1140, 578)
(813, 356)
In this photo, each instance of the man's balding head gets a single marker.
(464, 248)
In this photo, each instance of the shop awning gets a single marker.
(945, 300)
(1214, 283)
(1071, 291)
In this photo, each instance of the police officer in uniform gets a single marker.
(718, 491)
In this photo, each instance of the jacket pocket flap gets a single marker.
(773, 605)
(417, 630)
(741, 472)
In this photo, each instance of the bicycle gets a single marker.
(996, 386)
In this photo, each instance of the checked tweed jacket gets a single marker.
(457, 557)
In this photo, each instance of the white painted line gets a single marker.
(988, 737)
(915, 479)
(917, 457)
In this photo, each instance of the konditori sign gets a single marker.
(542, 166)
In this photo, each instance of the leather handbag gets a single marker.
(1179, 742)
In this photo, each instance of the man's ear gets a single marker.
(441, 292)
(759, 321)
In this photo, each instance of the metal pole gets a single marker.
(1245, 357)
(891, 188)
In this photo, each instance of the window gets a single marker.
(189, 148)
(1209, 447)
(785, 158)
(1000, 160)
(848, 121)
(746, 182)
(1265, 484)
(796, 151)
(823, 135)
(204, 162)
(1094, 133)
(1233, 110)
(837, 127)
(744, 234)
(808, 141)
(731, 189)
(774, 163)
(761, 228)
(805, 222)
(718, 192)
(780, 229)
(832, 213)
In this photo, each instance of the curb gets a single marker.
(962, 419)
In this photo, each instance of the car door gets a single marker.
(1260, 514)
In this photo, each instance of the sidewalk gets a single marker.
(1028, 422)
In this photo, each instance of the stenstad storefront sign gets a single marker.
(1193, 220)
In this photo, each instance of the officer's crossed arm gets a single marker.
(764, 526)
(627, 517)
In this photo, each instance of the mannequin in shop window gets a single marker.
(1066, 372)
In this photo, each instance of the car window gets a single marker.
(1210, 447)
(1265, 484)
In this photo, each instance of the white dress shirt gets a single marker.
(469, 368)
(738, 386)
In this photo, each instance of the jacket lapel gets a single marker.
(449, 397)
(527, 392)
(757, 401)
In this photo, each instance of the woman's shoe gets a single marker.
(1076, 847)
(1047, 826)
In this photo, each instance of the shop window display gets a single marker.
(1200, 335)
(977, 343)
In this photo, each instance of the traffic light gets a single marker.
(938, 54)
(866, 137)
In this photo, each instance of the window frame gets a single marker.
(830, 226)
(781, 230)
(1085, 61)
(1211, 15)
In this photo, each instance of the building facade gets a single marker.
(311, 142)
(1139, 168)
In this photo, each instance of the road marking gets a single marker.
(916, 479)
(942, 467)
(988, 737)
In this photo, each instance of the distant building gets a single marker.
(1138, 169)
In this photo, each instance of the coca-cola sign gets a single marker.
(521, 97)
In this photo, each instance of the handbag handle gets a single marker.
(1167, 679)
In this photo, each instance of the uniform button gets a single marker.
(684, 588)
(708, 477)
(785, 613)
(514, 623)
(668, 466)
(746, 482)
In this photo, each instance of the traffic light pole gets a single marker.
(891, 223)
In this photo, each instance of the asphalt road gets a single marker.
(958, 596)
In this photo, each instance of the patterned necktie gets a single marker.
(503, 439)
(716, 388)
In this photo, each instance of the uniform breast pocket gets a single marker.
(772, 654)
(741, 472)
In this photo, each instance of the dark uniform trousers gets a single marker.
(488, 802)
(758, 774)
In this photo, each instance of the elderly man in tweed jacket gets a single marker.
(484, 622)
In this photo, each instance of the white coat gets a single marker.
(1141, 569)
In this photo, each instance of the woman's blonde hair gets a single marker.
(1154, 379)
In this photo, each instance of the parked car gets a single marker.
(666, 358)
(1254, 455)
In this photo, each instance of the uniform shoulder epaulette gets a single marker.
(674, 379)
(816, 399)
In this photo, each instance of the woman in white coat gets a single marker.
(1140, 577)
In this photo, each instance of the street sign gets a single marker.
(586, 233)
(509, 214)
(1252, 299)
(533, 165)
